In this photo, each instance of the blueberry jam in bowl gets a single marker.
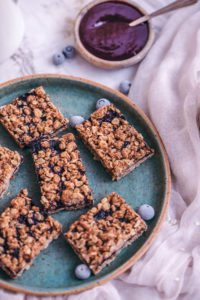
(103, 35)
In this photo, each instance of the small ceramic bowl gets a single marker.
(106, 64)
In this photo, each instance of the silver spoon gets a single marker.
(172, 6)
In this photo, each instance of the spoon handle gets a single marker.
(170, 7)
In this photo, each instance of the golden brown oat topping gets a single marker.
(32, 116)
(113, 141)
(24, 231)
(61, 174)
(9, 164)
(99, 235)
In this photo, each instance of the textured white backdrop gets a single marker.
(166, 85)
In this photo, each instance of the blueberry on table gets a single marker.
(146, 212)
(82, 271)
(58, 58)
(75, 120)
(69, 51)
(124, 87)
(102, 102)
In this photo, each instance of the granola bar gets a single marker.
(100, 234)
(31, 117)
(25, 230)
(113, 141)
(9, 165)
(61, 174)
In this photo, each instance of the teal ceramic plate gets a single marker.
(53, 270)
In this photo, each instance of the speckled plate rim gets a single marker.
(155, 231)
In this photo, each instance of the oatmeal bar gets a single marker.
(100, 234)
(31, 117)
(9, 165)
(25, 230)
(61, 174)
(113, 141)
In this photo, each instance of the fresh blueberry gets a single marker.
(75, 120)
(124, 87)
(69, 51)
(146, 212)
(82, 271)
(58, 58)
(102, 102)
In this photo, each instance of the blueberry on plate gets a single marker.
(58, 58)
(82, 271)
(69, 51)
(146, 212)
(124, 87)
(102, 102)
(75, 120)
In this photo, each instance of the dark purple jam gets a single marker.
(105, 32)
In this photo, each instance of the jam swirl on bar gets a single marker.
(100, 234)
(61, 174)
(9, 165)
(31, 117)
(113, 141)
(25, 230)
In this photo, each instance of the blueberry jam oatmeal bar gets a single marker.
(32, 116)
(61, 174)
(25, 230)
(113, 141)
(9, 165)
(100, 234)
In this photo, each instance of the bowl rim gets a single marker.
(157, 228)
(103, 63)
